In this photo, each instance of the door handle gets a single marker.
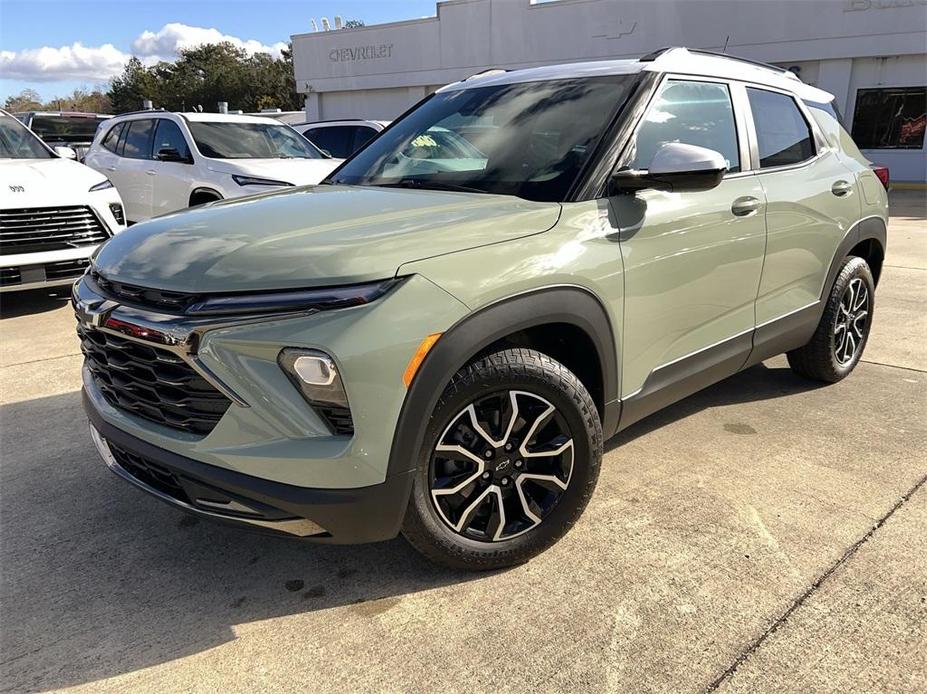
(151, 172)
(110, 168)
(841, 188)
(745, 205)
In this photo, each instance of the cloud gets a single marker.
(171, 38)
(100, 63)
(74, 62)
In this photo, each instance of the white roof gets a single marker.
(228, 118)
(675, 60)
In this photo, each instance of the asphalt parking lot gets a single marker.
(765, 534)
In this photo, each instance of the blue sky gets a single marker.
(85, 42)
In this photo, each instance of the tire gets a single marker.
(536, 509)
(827, 356)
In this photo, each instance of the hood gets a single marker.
(304, 237)
(45, 182)
(299, 172)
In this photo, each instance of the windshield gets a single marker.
(223, 140)
(529, 139)
(64, 128)
(16, 142)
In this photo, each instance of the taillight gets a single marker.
(882, 173)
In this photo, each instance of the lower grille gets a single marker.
(149, 472)
(29, 230)
(66, 269)
(10, 276)
(152, 383)
(338, 418)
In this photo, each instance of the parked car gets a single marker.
(440, 347)
(341, 138)
(72, 129)
(53, 212)
(162, 162)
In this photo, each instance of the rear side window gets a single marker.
(337, 140)
(112, 137)
(362, 135)
(782, 134)
(693, 113)
(168, 136)
(138, 141)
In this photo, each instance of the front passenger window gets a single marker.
(168, 136)
(693, 113)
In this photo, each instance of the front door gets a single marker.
(692, 260)
(173, 182)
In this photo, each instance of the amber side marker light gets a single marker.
(419, 357)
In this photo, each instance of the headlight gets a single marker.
(316, 376)
(322, 299)
(102, 185)
(254, 181)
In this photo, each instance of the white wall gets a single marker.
(368, 72)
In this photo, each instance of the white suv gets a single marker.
(54, 212)
(341, 138)
(162, 161)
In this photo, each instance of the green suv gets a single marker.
(437, 340)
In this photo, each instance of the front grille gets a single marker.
(49, 229)
(149, 472)
(10, 276)
(338, 418)
(170, 302)
(66, 269)
(151, 382)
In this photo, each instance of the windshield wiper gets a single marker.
(430, 185)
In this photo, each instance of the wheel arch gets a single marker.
(203, 191)
(866, 239)
(502, 324)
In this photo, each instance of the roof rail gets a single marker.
(650, 57)
(485, 73)
(141, 110)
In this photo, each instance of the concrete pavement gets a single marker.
(767, 534)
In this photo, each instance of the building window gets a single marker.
(891, 118)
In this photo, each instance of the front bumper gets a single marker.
(342, 516)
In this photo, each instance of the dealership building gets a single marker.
(871, 54)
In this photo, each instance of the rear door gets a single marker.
(173, 182)
(812, 201)
(136, 169)
(692, 260)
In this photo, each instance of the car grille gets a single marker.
(149, 472)
(338, 418)
(50, 272)
(169, 302)
(10, 276)
(49, 229)
(151, 382)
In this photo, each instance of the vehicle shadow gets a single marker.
(15, 304)
(760, 382)
(100, 580)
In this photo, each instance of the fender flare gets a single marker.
(864, 230)
(570, 304)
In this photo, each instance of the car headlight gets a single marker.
(102, 185)
(255, 181)
(321, 299)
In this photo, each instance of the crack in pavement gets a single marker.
(894, 366)
(754, 645)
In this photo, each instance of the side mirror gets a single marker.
(171, 154)
(65, 152)
(676, 167)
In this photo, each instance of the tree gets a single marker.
(26, 100)
(354, 23)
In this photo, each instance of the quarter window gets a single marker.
(693, 113)
(138, 141)
(782, 133)
(334, 139)
(890, 118)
